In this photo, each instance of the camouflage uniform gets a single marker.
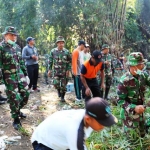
(60, 60)
(117, 73)
(13, 74)
(131, 93)
(108, 70)
(46, 64)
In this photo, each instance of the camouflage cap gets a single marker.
(60, 39)
(11, 30)
(105, 46)
(148, 65)
(136, 58)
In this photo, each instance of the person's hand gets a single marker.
(88, 91)
(107, 62)
(67, 73)
(103, 86)
(34, 57)
(49, 73)
(139, 109)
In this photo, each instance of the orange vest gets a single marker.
(91, 70)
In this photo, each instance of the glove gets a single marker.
(27, 80)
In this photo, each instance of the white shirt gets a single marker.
(62, 130)
(84, 57)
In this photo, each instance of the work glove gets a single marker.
(27, 80)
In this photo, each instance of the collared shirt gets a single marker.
(27, 52)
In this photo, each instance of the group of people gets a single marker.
(68, 129)
(19, 76)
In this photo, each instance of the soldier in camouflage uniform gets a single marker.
(46, 64)
(117, 67)
(106, 57)
(131, 93)
(13, 74)
(60, 60)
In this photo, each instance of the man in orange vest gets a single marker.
(88, 75)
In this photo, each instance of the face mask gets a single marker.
(139, 72)
(11, 42)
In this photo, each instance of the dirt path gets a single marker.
(40, 105)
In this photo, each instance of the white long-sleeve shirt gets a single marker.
(63, 130)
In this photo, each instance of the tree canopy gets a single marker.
(124, 25)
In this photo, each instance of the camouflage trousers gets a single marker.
(60, 83)
(16, 91)
(133, 122)
(46, 75)
(108, 80)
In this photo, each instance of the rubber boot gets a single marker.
(106, 93)
(59, 94)
(17, 124)
(22, 115)
(62, 97)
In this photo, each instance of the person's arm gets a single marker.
(68, 62)
(83, 72)
(21, 61)
(75, 56)
(130, 108)
(24, 54)
(102, 76)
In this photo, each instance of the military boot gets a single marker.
(62, 97)
(22, 115)
(2, 99)
(17, 124)
(59, 94)
(106, 93)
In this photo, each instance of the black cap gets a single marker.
(100, 110)
(81, 42)
(97, 55)
(29, 39)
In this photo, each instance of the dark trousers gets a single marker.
(77, 86)
(38, 146)
(33, 71)
(94, 87)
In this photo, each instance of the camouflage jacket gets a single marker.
(11, 61)
(108, 67)
(117, 64)
(59, 61)
(131, 93)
